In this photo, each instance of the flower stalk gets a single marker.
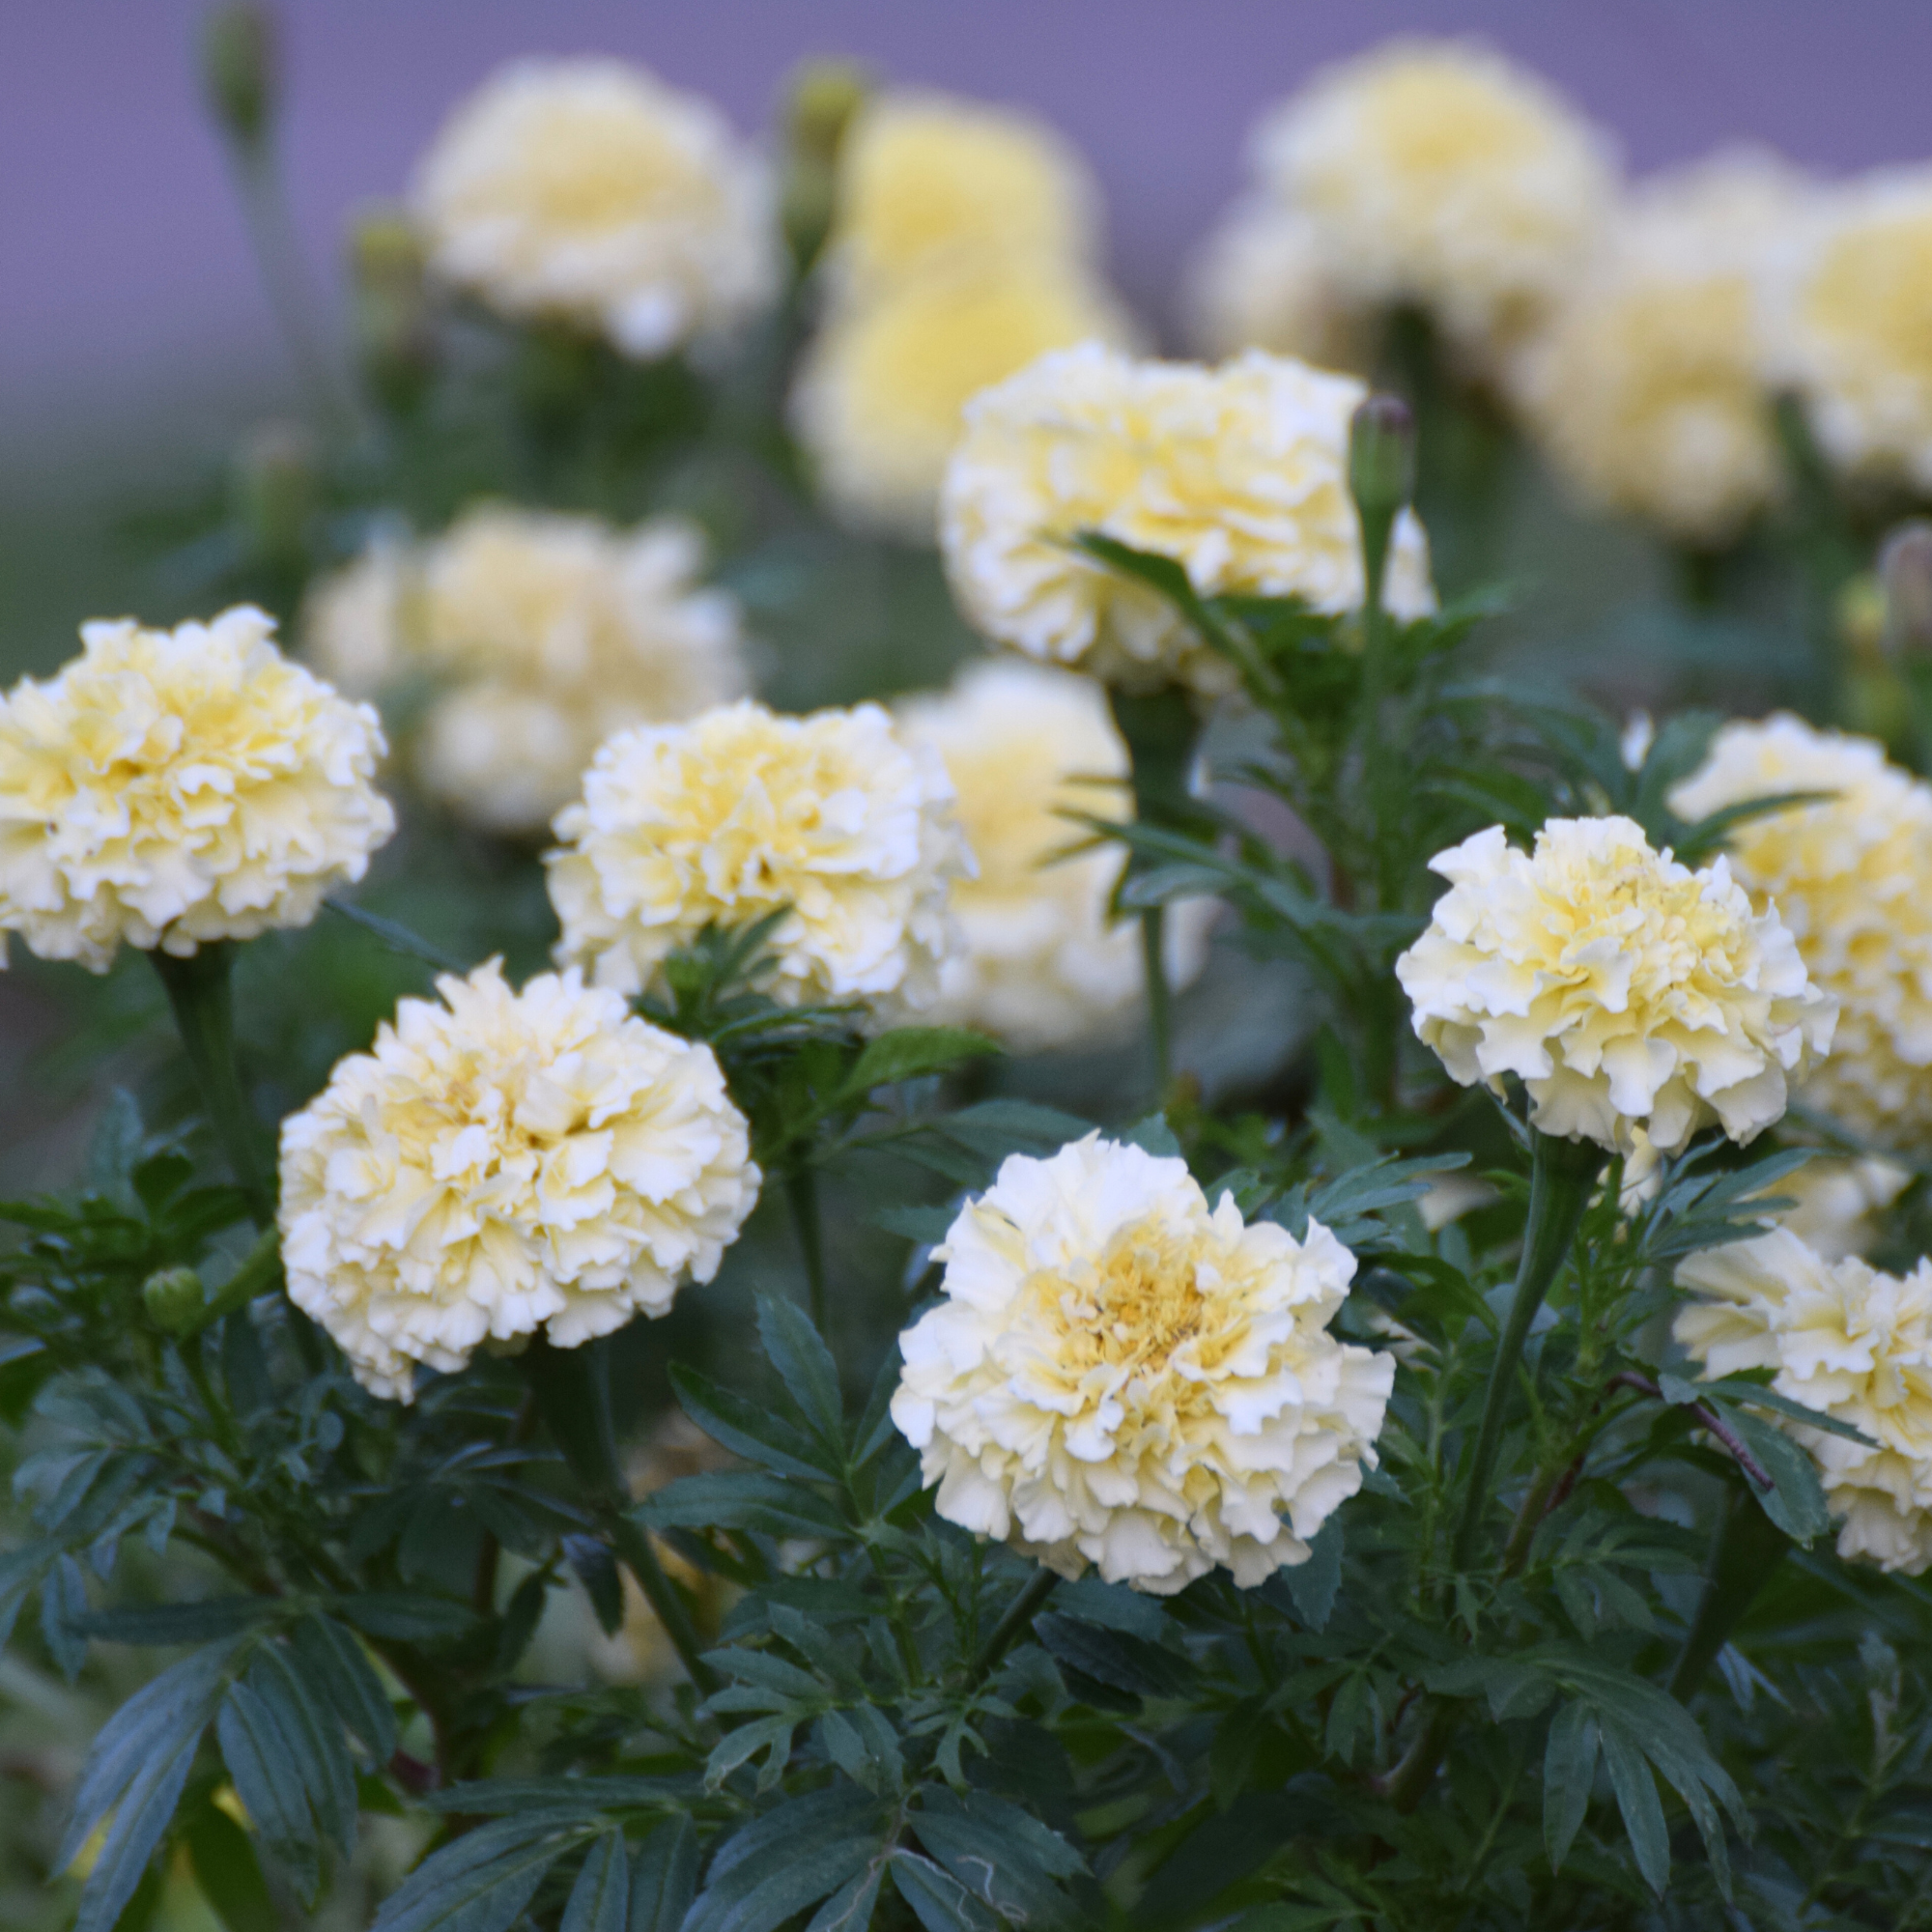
(200, 990)
(1562, 1172)
(801, 1185)
(1749, 1547)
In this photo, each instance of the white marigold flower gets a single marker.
(927, 180)
(1120, 1374)
(1240, 473)
(502, 1163)
(1837, 1203)
(1848, 1342)
(727, 819)
(1263, 280)
(1852, 309)
(1852, 877)
(1441, 175)
(590, 192)
(882, 389)
(1650, 392)
(1041, 961)
(1638, 1001)
(170, 788)
(541, 633)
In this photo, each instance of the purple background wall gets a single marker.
(125, 278)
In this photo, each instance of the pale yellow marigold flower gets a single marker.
(1263, 280)
(1040, 963)
(1632, 995)
(540, 634)
(588, 191)
(1853, 311)
(1837, 1203)
(502, 1163)
(1122, 1375)
(1650, 392)
(727, 819)
(1851, 876)
(1441, 175)
(882, 389)
(926, 181)
(1848, 1342)
(1240, 473)
(169, 789)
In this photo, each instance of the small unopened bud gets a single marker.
(173, 1298)
(241, 69)
(820, 100)
(1381, 456)
(391, 310)
(275, 492)
(1905, 577)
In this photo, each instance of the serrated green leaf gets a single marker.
(261, 1766)
(911, 1053)
(337, 1665)
(732, 1499)
(600, 1900)
(664, 1878)
(938, 1900)
(403, 1617)
(315, 1740)
(483, 1881)
(1569, 1767)
(805, 1365)
(164, 1623)
(1152, 1135)
(1796, 1503)
(1114, 1656)
(141, 1821)
(1312, 1585)
(1637, 1800)
(749, 1429)
(591, 1562)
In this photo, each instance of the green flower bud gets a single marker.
(173, 1298)
(820, 101)
(241, 69)
(391, 310)
(1905, 576)
(275, 492)
(1381, 456)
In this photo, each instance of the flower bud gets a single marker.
(1381, 456)
(820, 103)
(390, 306)
(241, 69)
(1905, 576)
(173, 1298)
(275, 492)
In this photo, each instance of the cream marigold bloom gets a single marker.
(1845, 1341)
(1851, 876)
(926, 181)
(882, 390)
(727, 819)
(1837, 1203)
(1240, 473)
(590, 192)
(1041, 961)
(1650, 391)
(1855, 320)
(541, 633)
(1123, 1375)
(502, 1163)
(169, 789)
(1638, 1001)
(1441, 175)
(1263, 280)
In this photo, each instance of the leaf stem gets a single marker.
(200, 990)
(1014, 1622)
(1561, 1174)
(1748, 1548)
(1159, 997)
(800, 1185)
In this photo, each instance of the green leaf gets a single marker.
(314, 1738)
(260, 1761)
(337, 1665)
(161, 1624)
(850, 1907)
(406, 1617)
(787, 1859)
(140, 1822)
(862, 1744)
(664, 1878)
(1796, 1503)
(600, 1899)
(996, 1129)
(939, 1901)
(736, 1499)
(1116, 1658)
(1152, 1135)
(566, 1799)
(928, 1227)
(750, 1428)
(483, 1881)
(1642, 1809)
(910, 1053)
(1569, 1767)
(1003, 1857)
(229, 1874)
(1312, 1585)
(805, 1365)
(596, 1568)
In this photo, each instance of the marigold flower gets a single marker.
(1120, 1374)
(927, 180)
(1040, 962)
(169, 789)
(1650, 391)
(1851, 875)
(541, 633)
(1240, 473)
(1263, 280)
(1851, 1344)
(1836, 1203)
(502, 1163)
(1854, 313)
(728, 819)
(879, 400)
(1637, 999)
(590, 192)
(1441, 175)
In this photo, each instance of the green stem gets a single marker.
(260, 1273)
(1159, 997)
(802, 1198)
(1748, 1548)
(1014, 1623)
(572, 1388)
(201, 992)
(1561, 1174)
